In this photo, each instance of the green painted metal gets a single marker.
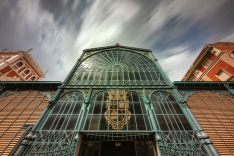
(230, 89)
(21, 149)
(80, 105)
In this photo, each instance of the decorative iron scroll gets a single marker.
(180, 143)
(54, 143)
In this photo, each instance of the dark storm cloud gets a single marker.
(58, 30)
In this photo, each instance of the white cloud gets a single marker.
(103, 22)
(178, 63)
(56, 46)
(63, 32)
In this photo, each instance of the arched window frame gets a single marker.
(67, 102)
(169, 107)
(101, 115)
(23, 74)
(16, 67)
(141, 70)
(30, 79)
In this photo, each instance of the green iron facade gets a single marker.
(118, 93)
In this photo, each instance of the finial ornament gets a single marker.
(28, 50)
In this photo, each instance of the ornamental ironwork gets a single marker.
(117, 67)
(120, 94)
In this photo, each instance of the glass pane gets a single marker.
(91, 75)
(85, 76)
(141, 122)
(154, 76)
(134, 97)
(99, 97)
(131, 76)
(65, 123)
(184, 122)
(126, 76)
(60, 122)
(137, 107)
(103, 124)
(77, 108)
(108, 77)
(154, 98)
(94, 122)
(132, 123)
(137, 76)
(172, 123)
(79, 96)
(72, 105)
(97, 108)
(120, 75)
(114, 76)
(175, 106)
(57, 107)
(143, 77)
(67, 108)
(103, 76)
(72, 122)
(148, 76)
(164, 107)
(49, 122)
(162, 122)
(97, 76)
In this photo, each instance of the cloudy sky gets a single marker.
(58, 30)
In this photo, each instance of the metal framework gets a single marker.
(119, 93)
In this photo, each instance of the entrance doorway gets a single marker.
(117, 148)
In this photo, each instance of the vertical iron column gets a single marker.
(151, 115)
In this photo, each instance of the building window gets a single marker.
(223, 75)
(206, 63)
(33, 78)
(25, 72)
(18, 65)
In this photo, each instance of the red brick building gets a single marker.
(19, 66)
(214, 63)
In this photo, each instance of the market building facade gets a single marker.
(117, 100)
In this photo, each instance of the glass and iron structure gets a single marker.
(117, 100)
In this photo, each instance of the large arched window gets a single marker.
(117, 68)
(117, 110)
(168, 113)
(65, 113)
(174, 130)
(57, 135)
